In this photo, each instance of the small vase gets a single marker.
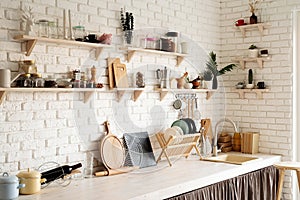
(253, 19)
(215, 83)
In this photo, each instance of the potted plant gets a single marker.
(212, 65)
(250, 84)
(253, 51)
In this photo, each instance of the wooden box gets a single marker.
(249, 143)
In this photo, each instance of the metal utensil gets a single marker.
(197, 114)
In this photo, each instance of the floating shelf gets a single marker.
(164, 91)
(132, 51)
(136, 92)
(87, 91)
(30, 41)
(259, 92)
(260, 61)
(259, 26)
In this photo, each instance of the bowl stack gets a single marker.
(224, 142)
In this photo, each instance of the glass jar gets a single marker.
(152, 43)
(140, 80)
(53, 30)
(79, 33)
(172, 37)
(27, 81)
(43, 28)
(38, 81)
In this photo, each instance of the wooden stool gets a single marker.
(282, 166)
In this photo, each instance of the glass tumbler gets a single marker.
(43, 28)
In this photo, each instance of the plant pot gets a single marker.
(253, 53)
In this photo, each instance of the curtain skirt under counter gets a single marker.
(257, 185)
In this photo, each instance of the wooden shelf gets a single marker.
(87, 91)
(164, 91)
(136, 92)
(260, 61)
(30, 41)
(132, 51)
(259, 92)
(259, 26)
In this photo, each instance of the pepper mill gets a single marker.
(93, 74)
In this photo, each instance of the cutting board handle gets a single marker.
(107, 127)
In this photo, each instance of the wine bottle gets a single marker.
(58, 172)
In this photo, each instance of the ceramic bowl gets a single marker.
(250, 86)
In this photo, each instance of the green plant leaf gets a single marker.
(228, 68)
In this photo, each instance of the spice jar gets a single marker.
(27, 81)
(38, 81)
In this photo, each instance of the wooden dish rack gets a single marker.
(177, 146)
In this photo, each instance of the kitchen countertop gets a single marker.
(156, 182)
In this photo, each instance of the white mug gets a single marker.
(5, 78)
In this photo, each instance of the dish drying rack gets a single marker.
(177, 146)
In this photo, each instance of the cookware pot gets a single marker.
(32, 180)
(9, 187)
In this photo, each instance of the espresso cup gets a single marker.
(240, 22)
(261, 85)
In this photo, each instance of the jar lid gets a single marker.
(29, 174)
(6, 178)
(78, 27)
(172, 34)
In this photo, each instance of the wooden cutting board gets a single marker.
(111, 78)
(120, 74)
(206, 123)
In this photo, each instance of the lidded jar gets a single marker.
(173, 37)
(32, 180)
(79, 32)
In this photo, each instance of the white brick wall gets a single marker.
(272, 117)
(40, 127)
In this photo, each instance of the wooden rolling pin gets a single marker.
(116, 171)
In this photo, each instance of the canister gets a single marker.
(9, 186)
(5, 78)
(32, 180)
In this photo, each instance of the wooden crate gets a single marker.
(249, 142)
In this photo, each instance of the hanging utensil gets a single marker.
(197, 114)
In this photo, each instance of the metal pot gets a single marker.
(32, 180)
(9, 187)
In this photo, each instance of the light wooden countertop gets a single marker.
(156, 182)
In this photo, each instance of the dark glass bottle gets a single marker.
(58, 172)
(253, 19)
